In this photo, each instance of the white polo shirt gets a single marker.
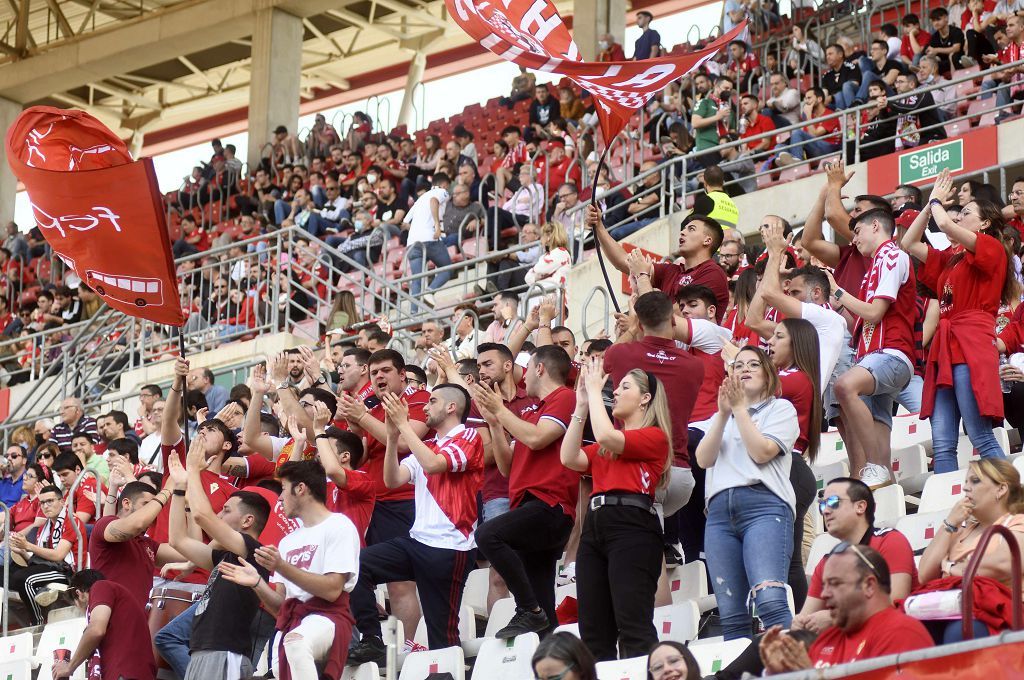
(420, 218)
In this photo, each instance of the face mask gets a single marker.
(603, 44)
(358, 225)
(371, 178)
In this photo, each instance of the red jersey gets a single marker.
(891, 544)
(922, 41)
(51, 534)
(130, 563)
(258, 468)
(517, 154)
(888, 632)
(373, 461)
(24, 513)
(637, 469)
(278, 525)
(890, 278)
(362, 394)
(760, 125)
(83, 504)
(832, 126)
(851, 268)
(974, 282)
(679, 371)
(557, 173)
(798, 390)
(121, 648)
(541, 473)
(355, 501)
(670, 277)
(496, 484)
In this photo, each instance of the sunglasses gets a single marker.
(560, 676)
(843, 546)
(832, 502)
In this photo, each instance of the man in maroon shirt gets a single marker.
(524, 544)
(117, 628)
(699, 239)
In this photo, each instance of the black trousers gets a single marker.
(691, 516)
(617, 569)
(1013, 405)
(524, 545)
(30, 581)
(806, 488)
(440, 575)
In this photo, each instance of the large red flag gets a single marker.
(98, 209)
(532, 34)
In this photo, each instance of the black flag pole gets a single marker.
(184, 391)
(593, 202)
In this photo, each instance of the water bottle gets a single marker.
(1003, 384)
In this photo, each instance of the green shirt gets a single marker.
(99, 465)
(706, 137)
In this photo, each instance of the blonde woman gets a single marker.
(621, 548)
(552, 269)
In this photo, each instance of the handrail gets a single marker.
(967, 589)
(80, 564)
(6, 602)
(586, 305)
(456, 320)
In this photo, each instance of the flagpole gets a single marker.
(184, 391)
(593, 202)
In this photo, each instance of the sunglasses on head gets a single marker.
(843, 546)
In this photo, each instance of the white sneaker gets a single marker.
(875, 476)
(567, 575)
(784, 159)
(428, 299)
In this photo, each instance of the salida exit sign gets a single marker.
(922, 164)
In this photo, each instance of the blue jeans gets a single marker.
(806, 145)
(748, 541)
(910, 397)
(172, 641)
(951, 405)
(431, 251)
(1002, 96)
(844, 98)
(281, 210)
(622, 231)
(319, 196)
(868, 76)
(317, 224)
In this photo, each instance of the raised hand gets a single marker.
(177, 473)
(942, 190)
(258, 379)
(268, 557)
(595, 375)
(321, 416)
(396, 410)
(243, 573)
(836, 174)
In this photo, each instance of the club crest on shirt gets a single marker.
(660, 356)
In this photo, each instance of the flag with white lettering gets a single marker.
(100, 210)
(532, 34)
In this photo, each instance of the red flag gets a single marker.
(99, 210)
(532, 34)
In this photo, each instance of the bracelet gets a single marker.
(951, 528)
(175, 390)
(577, 418)
(179, 492)
(322, 435)
(935, 201)
(644, 274)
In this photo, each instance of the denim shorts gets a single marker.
(891, 375)
(493, 508)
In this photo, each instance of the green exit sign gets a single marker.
(922, 164)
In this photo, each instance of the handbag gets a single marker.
(939, 605)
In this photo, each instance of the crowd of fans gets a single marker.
(688, 434)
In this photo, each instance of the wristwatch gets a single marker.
(283, 385)
(838, 293)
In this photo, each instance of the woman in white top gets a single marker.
(552, 269)
(804, 55)
(747, 453)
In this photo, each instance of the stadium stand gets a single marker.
(855, 432)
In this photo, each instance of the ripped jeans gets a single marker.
(748, 542)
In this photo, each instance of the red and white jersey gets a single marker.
(446, 509)
(890, 278)
(706, 341)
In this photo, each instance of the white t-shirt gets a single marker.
(420, 218)
(331, 547)
(149, 452)
(831, 329)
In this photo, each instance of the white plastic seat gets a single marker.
(475, 594)
(679, 621)
(572, 628)
(365, 671)
(832, 449)
(506, 659)
(623, 669)
(909, 430)
(467, 627)
(15, 647)
(819, 548)
(562, 592)
(942, 491)
(419, 665)
(890, 505)
(60, 635)
(920, 528)
(909, 461)
(688, 581)
(1018, 463)
(825, 473)
(16, 669)
(714, 655)
(501, 613)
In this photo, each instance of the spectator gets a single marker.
(555, 167)
(510, 271)
(569, 105)
(976, 23)
(543, 110)
(992, 495)
(841, 80)
(566, 210)
(465, 140)
(967, 321)
(610, 49)
(891, 35)
(864, 623)
(463, 216)
(13, 472)
(946, 43)
(738, 165)
(927, 76)
(906, 197)
(285, 147)
(733, 14)
(16, 244)
(202, 379)
(752, 123)
(670, 660)
(713, 201)
(322, 136)
(506, 318)
(743, 66)
(847, 509)
(117, 629)
(814, 140)
(918, 120)
(25, 514)
(73, 421)
(783, 104)
(877, 127)
(709, 114)
(648, 45)
(804, 56)
(1007, 81)
(523, 86)
(328, 218)
(551, 271)
(563, 656)
(878, 67)
(914, 41)
(51, 558)
(750, 500)
(425, 238)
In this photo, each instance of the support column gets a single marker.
(9, 111)
(593, 18)
(417, 66)
(276, 78)
(135, 143)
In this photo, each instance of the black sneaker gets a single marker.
(525, 621)
(370, 648)
(672, 556)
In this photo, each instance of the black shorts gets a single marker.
(390, 519)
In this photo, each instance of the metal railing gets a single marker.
(967, 612)
(5, 601)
